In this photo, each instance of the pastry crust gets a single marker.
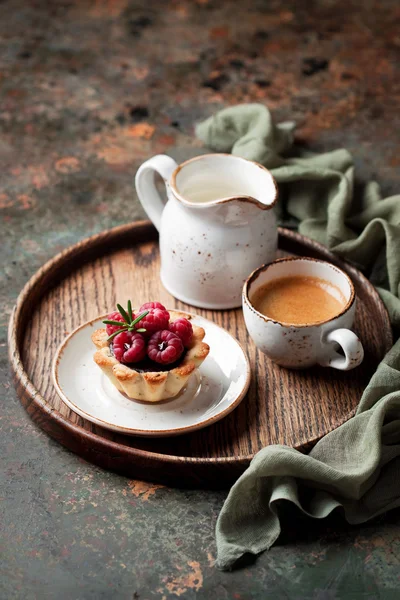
(150, 386)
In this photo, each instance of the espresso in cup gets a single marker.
(299, 312)
(299, 299)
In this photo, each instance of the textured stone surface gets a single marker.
(88, 90)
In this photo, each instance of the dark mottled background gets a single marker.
(88, 90)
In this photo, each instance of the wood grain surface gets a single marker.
(295, 408)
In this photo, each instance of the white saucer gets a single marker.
(213, 391)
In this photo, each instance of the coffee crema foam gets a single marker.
(299, 300)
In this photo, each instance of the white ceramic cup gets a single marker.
(217, 225)
(301, 346)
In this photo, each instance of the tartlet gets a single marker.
(143, 383)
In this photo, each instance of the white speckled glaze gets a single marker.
(208, 247)
(300, 346)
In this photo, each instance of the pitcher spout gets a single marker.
(237, 210)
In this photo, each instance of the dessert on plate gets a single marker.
(150, 353)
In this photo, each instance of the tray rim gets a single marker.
(29, 395)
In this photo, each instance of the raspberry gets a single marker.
(183, 329)
(114, 316)
(164, 347)
(129, 347)
(156, 320)
(150, 305)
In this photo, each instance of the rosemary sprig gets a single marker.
(130, 322)
(139, 318)
(124, 314)
(130, 313)
(110, 337)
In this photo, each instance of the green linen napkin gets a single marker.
(357, 466)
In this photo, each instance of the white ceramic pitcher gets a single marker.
(216, 227)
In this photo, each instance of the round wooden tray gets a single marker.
(295, 408)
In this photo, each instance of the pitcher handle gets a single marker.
(146, 190)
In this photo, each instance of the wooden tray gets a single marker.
(295, 408)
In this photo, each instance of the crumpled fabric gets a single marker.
(356, 466)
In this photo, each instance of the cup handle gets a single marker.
(146, 190)
(351, 346)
